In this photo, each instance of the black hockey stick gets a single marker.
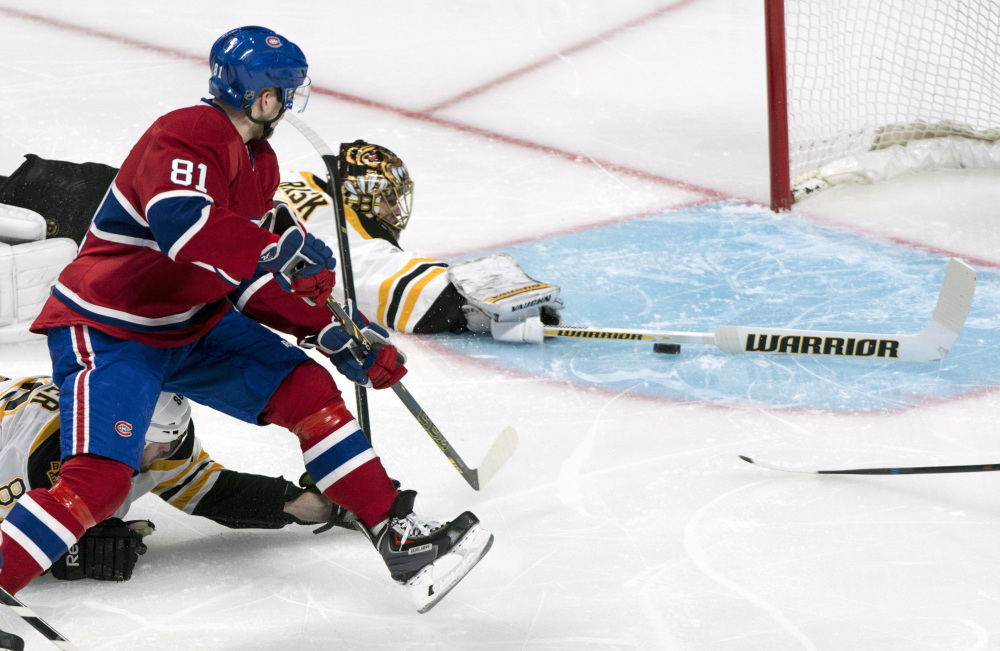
(39, 624)
(904, 470)
(346, 272)
(501, 450)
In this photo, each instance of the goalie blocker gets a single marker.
(503, 300)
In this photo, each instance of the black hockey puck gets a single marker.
(668, 349)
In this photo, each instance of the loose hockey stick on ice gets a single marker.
(501, 450)
(36, 622)
(346, 271)
(929, 345)
(903, 470)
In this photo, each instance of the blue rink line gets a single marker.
(731, 264)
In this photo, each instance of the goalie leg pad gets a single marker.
(498, 287)
(27, 273)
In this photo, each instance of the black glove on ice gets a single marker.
(107, 552)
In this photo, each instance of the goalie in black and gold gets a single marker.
(405, 291)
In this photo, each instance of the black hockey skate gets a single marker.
(430, 558)
(10, 642)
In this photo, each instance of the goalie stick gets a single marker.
(36, 622)
(346, 271)
(902, 470)
(929, 345)
(498, 454)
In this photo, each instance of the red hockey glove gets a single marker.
(301, 263)
(382, 367)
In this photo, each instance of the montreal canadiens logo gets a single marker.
(273, 41)
(123, 428)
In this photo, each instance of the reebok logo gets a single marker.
(269, 253)
(73, 556)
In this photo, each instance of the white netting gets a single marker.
(864, 74)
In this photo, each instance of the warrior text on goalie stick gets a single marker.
(929, 345)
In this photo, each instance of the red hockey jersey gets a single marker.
(174, 235)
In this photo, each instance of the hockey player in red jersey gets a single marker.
(144, 308)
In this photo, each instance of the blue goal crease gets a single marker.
(731, 264)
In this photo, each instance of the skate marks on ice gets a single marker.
(699, 553)
(840, 562)
(701, 267)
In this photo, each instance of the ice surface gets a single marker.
(619, 150)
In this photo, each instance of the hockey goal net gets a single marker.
(861, 90)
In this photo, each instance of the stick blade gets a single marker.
(955, 299)
(950, 312)
(498, 454)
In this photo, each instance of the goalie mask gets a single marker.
(376, 184)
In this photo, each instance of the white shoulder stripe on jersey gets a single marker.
(232, 280)
(170, 194)
(123, 239)
(197, 226)
(125, 316)
(251, 290)
(127, 206)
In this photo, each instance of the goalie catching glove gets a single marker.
(301, 263)
(382, 367)
(108, 551)
(503, 300)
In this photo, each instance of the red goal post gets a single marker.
(860, 91)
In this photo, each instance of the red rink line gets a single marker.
(579, 47)
(493, 136)
(876, 235)
(421, 116)
(107, 36)
(426, 116)
(580, 228)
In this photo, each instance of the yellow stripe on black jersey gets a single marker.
(408, 280)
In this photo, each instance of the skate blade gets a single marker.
(431, 584)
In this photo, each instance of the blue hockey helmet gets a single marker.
(249, 59)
